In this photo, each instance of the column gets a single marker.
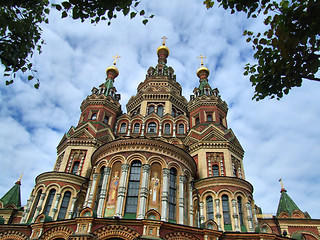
(129, 129)
(255, 220)
(218, 215)
(122, 189)
(160, 130)
(103, 193)
(144, 191)
(39, 207)
(93, 186)
(174, 130)
(235, 215)
(165, 194)
(55, 206)
(27, 210)
(201, 212)
(190, 205)
(142, 129)
(115, 128)
(85, 204)
(181, 198)
(74, 199)
(249, 214)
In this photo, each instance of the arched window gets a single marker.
(225, 210)
(209, 201)
(136, 128)
(152, 127)
(75, 167)
(172, 194)
(133, 188)
(167, 128)
(181, 128)
(173, 112)
(49, 202)
(160, 111)
(64, 205)
(94, 116)
(35, 204)
(123, 128)
(151, 109)
(209, 118)
(240, 210)
(197, 120)
(99, 189)
(215, 171)
(106, 119)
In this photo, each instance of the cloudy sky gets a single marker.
(281, 138)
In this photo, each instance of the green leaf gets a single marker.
(36, 85)
(64, 14)
(9, 82)
(145, 21)
(136, 4)
(133, 14)
(30, 77)
(66, 5)
(110, 14)
(125, 11)
(151, 16)
(142, 12)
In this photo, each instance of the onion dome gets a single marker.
(202, 72)
(112, 72)
(163, 52)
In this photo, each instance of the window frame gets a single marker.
(123, 127)
(153, 128)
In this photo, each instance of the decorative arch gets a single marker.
(38, 188)
(51, 186)
(208, 192)
(68, 188)
(301, 235)
(283, 215)
(226, 192)
(116, 231)
(9, 235)
(114, 159)
(297, 214)
(173, 164)
(136, 156)
(102, 163)
(57, 232)
(179, 236)
(157, 159)
(152, 215)
(265, 228)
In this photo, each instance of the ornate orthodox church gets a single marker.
(167, 169)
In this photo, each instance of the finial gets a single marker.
(201, 61)
(164, 40)
(115, 59)
(282, 187)
(19, 181)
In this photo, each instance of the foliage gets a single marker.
(288, 51)
(21, 35)
(20, 31)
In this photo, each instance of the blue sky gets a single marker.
(280, 137)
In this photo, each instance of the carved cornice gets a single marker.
(56, 232)
(116, 231)
(60, 177)
(101, 100)
(144, 145)
(223, 181)
(207, 101)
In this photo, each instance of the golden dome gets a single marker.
(202, 68)
(114, 70)
(163, 47)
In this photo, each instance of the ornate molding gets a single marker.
(10, 235)
(116, 231)
(56, 232)
(179, 236)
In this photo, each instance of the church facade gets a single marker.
(169, 168)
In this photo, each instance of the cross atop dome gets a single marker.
(202, 72)
(163, 51)
(115, 59)
(164, 40)
(201, 61)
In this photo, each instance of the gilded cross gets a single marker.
(280, 180)
(164, 40)
(201, 57)
(115, 59)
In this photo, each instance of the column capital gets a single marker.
(146, 168)
(125, 167)
(181, 178)
(217, 201)
(166, 172)
(107, 170)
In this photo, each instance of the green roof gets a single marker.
(286, 204)
(12, 196)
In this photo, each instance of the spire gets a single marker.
(112, 72)
(203, 73)
(13, 196)
(163, 52)
(286, 204)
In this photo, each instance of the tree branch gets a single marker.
(311, 78)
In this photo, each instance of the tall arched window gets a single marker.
(133, 188)
(123, 128)
(106, 119)
(209, 201)
(160, 111)
(225, 210)
(215, 171)
(94, 116)
(181, 128)
(197, 120)
(75, 167)
(64, 205)
(240, 210)
(35, 204)
(49, 202)
(136, 128)
(172, 194)
(151, 109)
(99, 189)
(209, 118)
(167, 128)
(152, 127)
